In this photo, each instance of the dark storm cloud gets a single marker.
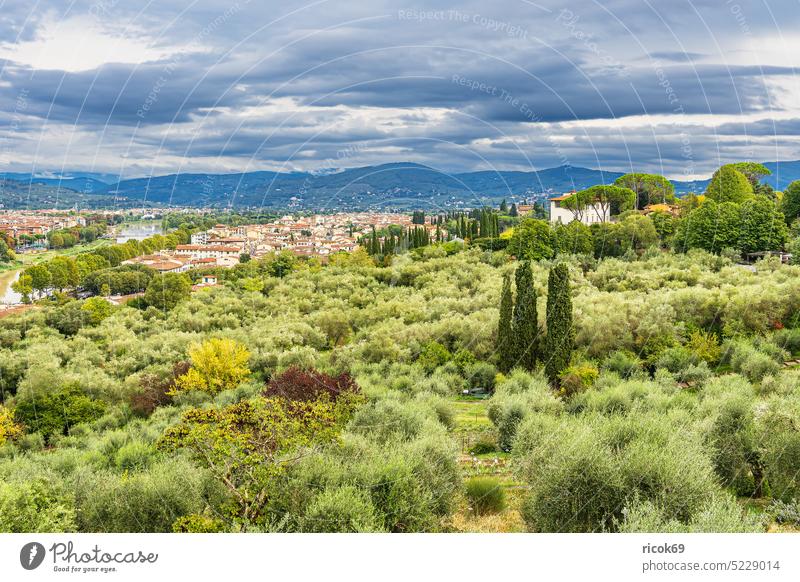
(116, 94)
(676, 56)
(762, 127)
(491, 71)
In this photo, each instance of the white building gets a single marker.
(589, 215)
(200, 238)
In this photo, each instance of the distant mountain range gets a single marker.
(401, 186)
(26, 194)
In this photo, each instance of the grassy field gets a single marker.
(470, 415)
(472, 424)
(27, 259)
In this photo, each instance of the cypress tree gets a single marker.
(560, 338)
(525, 323)
(375, 246)
(505, 337)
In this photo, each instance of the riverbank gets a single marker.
(7, 295)
(34, 258)
(136, 230)
(10, 271)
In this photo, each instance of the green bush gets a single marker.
(695, 374)
(577, 488)
(704, 346)
(56, 412)
(779, 446)
(771, 348)
(517, 396)
(583, 470)
(481, 376)
(485, 495)
(782, 384)
(755, 364)
(441, 407)
(403, 502)
(617, 398)
(788, 339)
(134, 456)
(35, 507)
(411, 485)
(435, 464)
(782, 512)
(342, 509)
(676, 359)
(388, 419)
(506, 416)
(578, 378)
(734, 444)
(673, 473)
(623, 362)
(433, 355)
(719, 515)
(149, 501)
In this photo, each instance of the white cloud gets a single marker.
(80, 44)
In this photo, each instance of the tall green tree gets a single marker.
(601, 201)
(24, 286)
(762, 227)
(560, 338)
(753, 171)
(505, 334)
(6, 253)
(532, 240)
(165, 291)
(574, 238)
(665, 225)
(711, 226)
(790, 203)
(63, 273)
(526, 320)
(729, 185)
(636, 232)
(40, 277)
(649, 188)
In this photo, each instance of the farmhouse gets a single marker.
(589, 215)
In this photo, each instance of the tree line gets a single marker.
(98, 268)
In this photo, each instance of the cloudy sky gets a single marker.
(137, 87)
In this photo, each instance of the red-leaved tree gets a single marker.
(306, 385)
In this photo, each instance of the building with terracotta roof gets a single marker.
(162, 263)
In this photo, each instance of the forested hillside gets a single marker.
(301, 397)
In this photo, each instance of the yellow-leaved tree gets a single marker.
(8, 428)
(217, 364)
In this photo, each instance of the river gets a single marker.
(139, 231)
(7, 295)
